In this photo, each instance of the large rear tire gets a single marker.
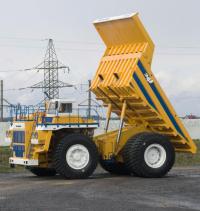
(76, 157)
(149, 155)
(42, 172)
(114, 167)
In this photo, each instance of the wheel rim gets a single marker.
(77, 156)
(155, 155)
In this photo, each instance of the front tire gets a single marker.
(76, 157)
(149, 155)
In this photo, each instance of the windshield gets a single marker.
(52, 108)
(65, 108)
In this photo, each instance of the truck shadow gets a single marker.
(98, 176)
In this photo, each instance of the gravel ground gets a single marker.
(180, 190)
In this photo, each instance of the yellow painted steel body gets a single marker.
(126, 85)
(40, 150)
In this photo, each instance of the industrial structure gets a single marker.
(51, 66)
(50, 85)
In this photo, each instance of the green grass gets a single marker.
(182, 159)
(188, 159)
(5, 153)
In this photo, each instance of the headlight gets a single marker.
(8, 134)
(34, 135)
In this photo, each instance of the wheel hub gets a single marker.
(77, 156)
(155, 155)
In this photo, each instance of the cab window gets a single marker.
(65, 108)
(52, 107)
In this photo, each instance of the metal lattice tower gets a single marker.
(51, 66)
(51, 72)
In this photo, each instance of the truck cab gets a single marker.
(58, 107)
(35, 133)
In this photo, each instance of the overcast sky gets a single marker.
(173, 26)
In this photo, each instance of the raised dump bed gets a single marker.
(126, 85)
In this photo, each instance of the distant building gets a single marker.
(191, 116)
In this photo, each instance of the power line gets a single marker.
(21, 38)
(97, 49)
(84, 42)
(57, 40)
(87, 42)
(101, 46)
(19, 70)
(38, 68)
(75, 86)
(178, 54)
(16, 89)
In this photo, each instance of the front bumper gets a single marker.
(23, 162)
(8, 140)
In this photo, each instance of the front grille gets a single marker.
(18, 137)
(19, 150)
(18, 141)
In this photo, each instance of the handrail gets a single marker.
(29, 113)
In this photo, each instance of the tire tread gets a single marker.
(133, 158)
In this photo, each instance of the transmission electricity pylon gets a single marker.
(51, 66)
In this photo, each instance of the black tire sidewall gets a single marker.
(134, 150)
(169, 157)
(75, 139)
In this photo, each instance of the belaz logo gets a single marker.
(148, 78)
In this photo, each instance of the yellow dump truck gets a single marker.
(149, 132)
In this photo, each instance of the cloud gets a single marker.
(176, 70)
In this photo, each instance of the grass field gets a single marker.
(187, 159)
(182, 159)
(4, 165)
